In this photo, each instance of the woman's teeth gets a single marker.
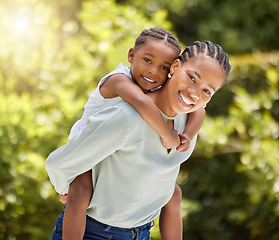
(188, 102)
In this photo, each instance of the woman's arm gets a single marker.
(123, 86)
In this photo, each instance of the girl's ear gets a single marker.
(131, 55)
(174, 66)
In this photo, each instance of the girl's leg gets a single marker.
(79, 196)
(170, 220)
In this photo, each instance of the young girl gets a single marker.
(154, 52)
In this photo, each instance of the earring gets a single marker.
(204, 106)
(169, 75)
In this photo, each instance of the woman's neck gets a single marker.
(160, 98)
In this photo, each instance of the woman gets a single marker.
(133, 176)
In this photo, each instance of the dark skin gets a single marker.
(78, 199)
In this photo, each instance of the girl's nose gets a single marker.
(153, 70)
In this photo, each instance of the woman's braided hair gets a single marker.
(210, 49)
(158, 34)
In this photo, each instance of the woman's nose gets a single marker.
(193, 91)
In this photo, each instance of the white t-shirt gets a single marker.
(133, 175)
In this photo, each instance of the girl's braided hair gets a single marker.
(158, 34)
(210, 49)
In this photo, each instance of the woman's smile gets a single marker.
(186, 99)
(187, 94)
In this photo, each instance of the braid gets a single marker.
(158, 34)
(208, 48)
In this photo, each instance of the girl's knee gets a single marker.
(81, 188)
(175, 200)
(177, 194)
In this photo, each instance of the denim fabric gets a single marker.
(98, 231)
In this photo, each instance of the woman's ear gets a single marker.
(131, 55)
(174, 66)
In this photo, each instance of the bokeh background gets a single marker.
(52, 55)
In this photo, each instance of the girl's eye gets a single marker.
(147, 60)
(165, 68)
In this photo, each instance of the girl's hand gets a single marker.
(172, 140)
(184, 143)
(63, 198)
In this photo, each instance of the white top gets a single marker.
(133, 175)
(96, 101)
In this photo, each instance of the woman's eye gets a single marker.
(165, 68)
(206, 91)
(147, 60)
(192, 78)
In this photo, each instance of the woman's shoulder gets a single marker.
(119, 111)
(128, 111)
(120, 118)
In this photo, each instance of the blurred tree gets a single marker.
(238, 26)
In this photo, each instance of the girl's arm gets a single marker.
(123, 86)
(194, 123)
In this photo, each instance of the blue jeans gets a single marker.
(98, 231)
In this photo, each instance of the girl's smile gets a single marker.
(150, 63)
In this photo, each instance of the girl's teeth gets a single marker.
(149, 80)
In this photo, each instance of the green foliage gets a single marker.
(53, 53)
(238, 26)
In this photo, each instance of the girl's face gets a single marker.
(150, 63)
(193, 83)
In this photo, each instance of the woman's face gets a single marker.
(193, 83)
